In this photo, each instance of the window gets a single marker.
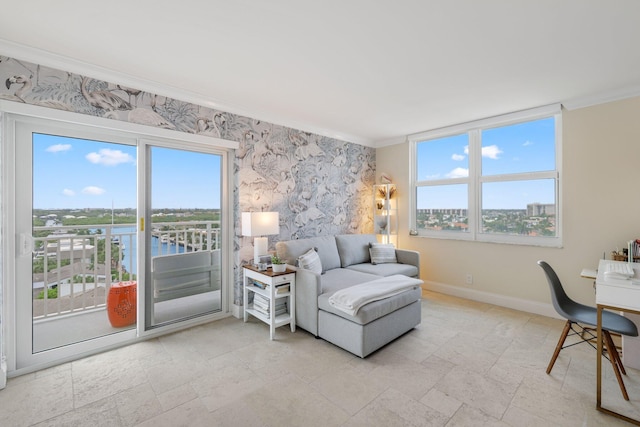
(495, 180)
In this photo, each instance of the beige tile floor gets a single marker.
(467, 364)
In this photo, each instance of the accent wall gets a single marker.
(319, 185)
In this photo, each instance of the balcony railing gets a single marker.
(74, 267)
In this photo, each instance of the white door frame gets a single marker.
(101, 129)
(144, 217)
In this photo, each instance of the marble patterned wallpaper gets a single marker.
(319, 185)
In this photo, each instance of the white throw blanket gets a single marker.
(352, 298)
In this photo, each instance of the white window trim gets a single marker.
(474, 180)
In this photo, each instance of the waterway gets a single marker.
(127, 236)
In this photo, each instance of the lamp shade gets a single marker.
(260, 223)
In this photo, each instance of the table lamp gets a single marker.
(257, 225)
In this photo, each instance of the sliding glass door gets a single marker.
(183, 234)
(75, 213)
(116, 236)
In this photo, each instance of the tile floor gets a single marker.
(467, 364)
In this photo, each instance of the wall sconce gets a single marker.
(257, 225)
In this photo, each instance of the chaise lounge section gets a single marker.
(346, 262)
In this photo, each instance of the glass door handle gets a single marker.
(25, 244)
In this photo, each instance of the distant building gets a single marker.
(536, 209)
(459, 212)
(72, 247)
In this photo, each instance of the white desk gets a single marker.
(624, 294)
(619, 295)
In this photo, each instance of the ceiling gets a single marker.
(365, 71)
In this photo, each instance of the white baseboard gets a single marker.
(495, 299)
(3, 373)
(237, 311)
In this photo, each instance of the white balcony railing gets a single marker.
(80, 266)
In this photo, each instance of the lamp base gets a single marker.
(260, 247)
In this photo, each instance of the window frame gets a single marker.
(475, 179)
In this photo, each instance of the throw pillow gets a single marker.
(310, 261)
(382, 253)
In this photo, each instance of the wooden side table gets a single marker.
(275, 286)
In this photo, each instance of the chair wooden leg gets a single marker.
(611, 348)
(616, 355)
(563, 337)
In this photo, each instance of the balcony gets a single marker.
(74, 268)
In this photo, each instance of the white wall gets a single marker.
(601, 209)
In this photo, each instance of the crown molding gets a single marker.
(390, 141)
(42, 57)
(602, 98)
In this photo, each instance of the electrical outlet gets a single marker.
(469, 279)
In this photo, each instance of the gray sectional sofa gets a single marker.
(346, 262)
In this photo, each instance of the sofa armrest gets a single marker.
(405, 256)
(308, 287)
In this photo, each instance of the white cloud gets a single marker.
(466, 150)
(58, 147)
(109, 157)
(457, 157)
(68, 192)
(93, 191)
(458, 173)
(527, 143)
(491, 151)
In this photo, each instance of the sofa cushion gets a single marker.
(310, 261)
(375, 309)
(290, 250)
(386, 269)
(354, 248)
(340, 278)
(382, 253)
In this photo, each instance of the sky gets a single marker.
(524, 147)
(70, 173)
